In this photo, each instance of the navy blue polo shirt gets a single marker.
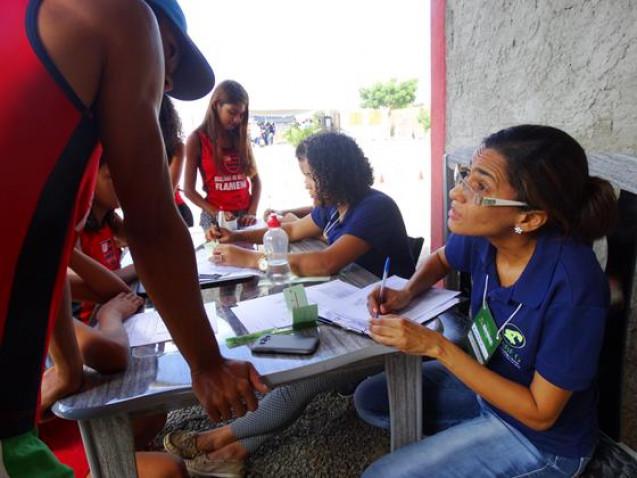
(376, 220)
(557, 332)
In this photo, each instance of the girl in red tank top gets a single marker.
(102, 236)
(220, 151)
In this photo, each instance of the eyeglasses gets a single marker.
(460, 175)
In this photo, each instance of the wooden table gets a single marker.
(158, 379)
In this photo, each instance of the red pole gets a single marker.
(438, 119)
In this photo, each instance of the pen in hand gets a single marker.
(382, 285)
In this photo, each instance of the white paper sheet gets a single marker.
(206, 266)
(148, 327)
(355, 306)
(260, 224)
(341, 303)
(263, 313)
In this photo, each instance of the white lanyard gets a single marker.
(484, 304)
(331, 224)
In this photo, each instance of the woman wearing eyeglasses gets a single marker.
(359, 223)
(520, 400)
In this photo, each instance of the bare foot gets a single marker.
(122, 306)
(56, 386)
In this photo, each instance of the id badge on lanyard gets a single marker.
(484, 335)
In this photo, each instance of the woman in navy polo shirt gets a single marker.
(359, 223)
(522, 400)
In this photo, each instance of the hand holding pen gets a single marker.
(384, 300)
(381, 295)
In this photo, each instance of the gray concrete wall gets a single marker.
(568, 63)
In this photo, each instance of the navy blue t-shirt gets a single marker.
(376, 220)
(557, 332)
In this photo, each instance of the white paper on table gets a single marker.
(422, 308)
(206, 266)
(341, 303)
(260, 224)
(149, 328)
(271, 311)
(198, 236)
(263, 313)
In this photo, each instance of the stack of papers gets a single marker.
(148, 327)
(341, 304)
(351, 312)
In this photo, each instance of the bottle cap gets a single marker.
(273, 221)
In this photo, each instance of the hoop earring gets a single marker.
(517, 230)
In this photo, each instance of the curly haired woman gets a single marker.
(360, 225)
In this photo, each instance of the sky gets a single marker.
(303, 54)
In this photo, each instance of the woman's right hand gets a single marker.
(221, 234)
(393, 301)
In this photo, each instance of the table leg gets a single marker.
(109, 446)
(404, 386)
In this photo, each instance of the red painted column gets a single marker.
(438, 119)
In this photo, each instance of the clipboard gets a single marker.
(325, 320)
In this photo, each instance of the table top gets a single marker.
(158, 378)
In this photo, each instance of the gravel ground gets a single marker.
(327, 440)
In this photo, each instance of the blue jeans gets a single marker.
(467, 439)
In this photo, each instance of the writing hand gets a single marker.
(393, 301)
(221, 234)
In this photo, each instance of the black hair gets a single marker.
(549, 171)
(170, 125)
(340, 170)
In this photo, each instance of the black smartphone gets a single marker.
(297, 344)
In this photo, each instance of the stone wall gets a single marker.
(568, 63)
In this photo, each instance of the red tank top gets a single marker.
(227, 186)
(100, 245)
(48, 168)
(178, 199)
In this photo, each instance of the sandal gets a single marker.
(182, 443)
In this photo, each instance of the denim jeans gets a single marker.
(467, 439)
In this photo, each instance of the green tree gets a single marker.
(424, 119)
(391, 94)
(297, 133)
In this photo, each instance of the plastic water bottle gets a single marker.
(275, 246)
(221, 218)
